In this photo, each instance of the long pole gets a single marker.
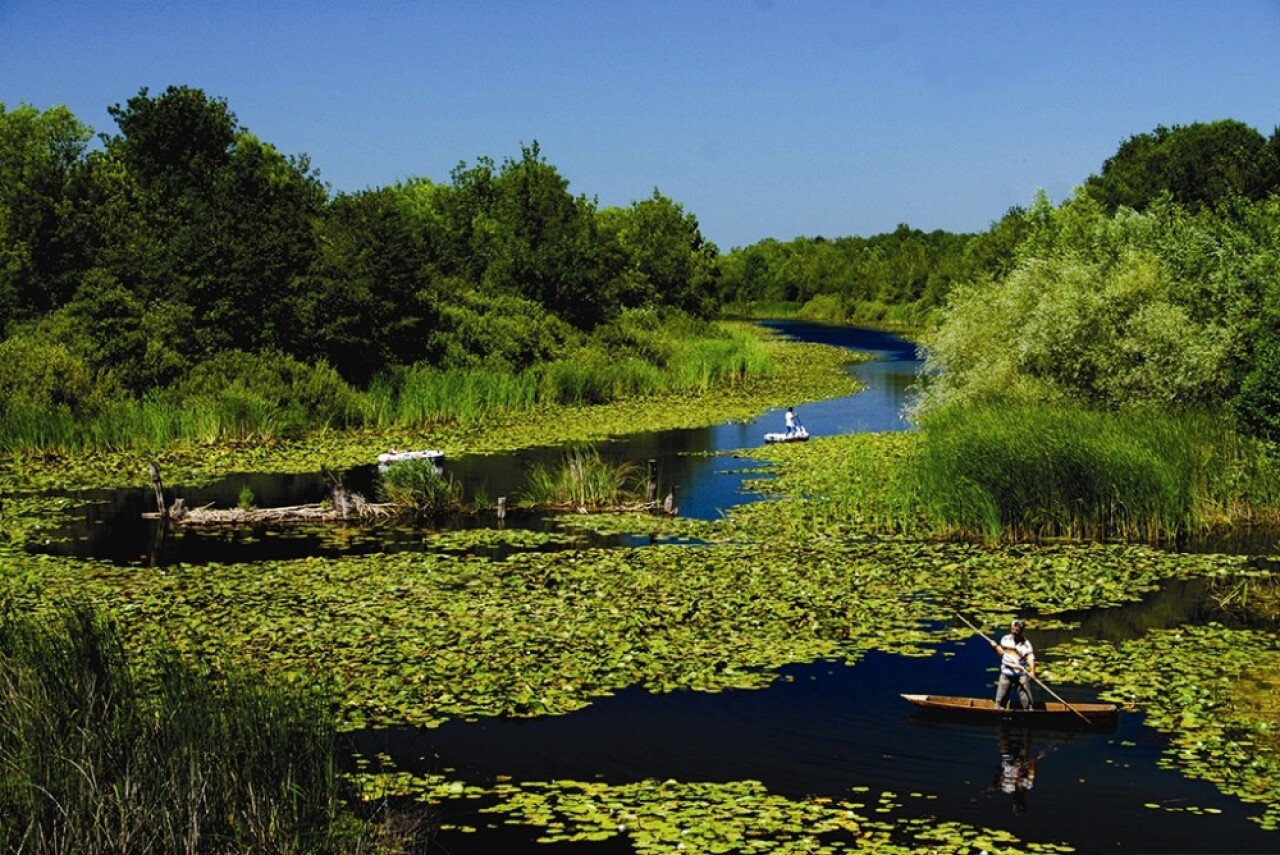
(1061, 700)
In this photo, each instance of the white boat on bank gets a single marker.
(397, 456)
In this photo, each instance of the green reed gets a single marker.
(98, 755)
(1033, 472)
(419, 486)
(673, 359)
(583, 480)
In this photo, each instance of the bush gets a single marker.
(270, 393)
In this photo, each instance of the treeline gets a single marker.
(183, 253)
(1118, 374)
(905, 276)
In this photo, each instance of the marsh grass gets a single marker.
(584, 480)
(254, 403)
(98, 755)
(1037, 472)
(419, 486)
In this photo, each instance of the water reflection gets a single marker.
(1016, 774)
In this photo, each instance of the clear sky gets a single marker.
(763, 118)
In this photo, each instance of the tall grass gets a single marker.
(419, 486)
(1032, 472)
(256, 403)
(584, 480)
(98, 756)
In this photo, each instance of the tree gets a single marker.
(41, 181)
(547, 245)
(362, 308)
(1200, 164)
(222, 222)
(669, 262)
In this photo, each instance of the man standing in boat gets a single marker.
(793, 423)
(1017, 665)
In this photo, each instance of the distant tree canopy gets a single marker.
(183, 241)
(898, 276)
(184, 236)
(1201, 164)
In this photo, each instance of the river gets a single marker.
(821, 730)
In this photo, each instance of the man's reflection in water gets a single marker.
(1017, 773)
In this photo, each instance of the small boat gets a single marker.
(396, 456)
(800, 434)
(1042, 712)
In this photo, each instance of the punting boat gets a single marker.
(1042, 712)
(396, 456)
(797, 435)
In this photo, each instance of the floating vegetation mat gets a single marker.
(698, 817)
(1214, 691)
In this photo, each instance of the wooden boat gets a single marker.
(1046, 712)
(797, 435)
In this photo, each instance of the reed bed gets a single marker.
(419, 486)
(584, 480)
(290, 403)
(1037, 472)
(100, 756)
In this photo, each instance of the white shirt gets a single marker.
(1017, 657)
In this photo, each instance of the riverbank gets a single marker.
(803, 372)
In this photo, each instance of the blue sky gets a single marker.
(763, 118)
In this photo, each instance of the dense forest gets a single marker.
(181, 257)
(185, 256)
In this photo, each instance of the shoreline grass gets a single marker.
(99, 754)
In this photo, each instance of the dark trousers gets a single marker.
(1006, 682)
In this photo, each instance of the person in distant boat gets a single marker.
(1017, 665)
(793, 423)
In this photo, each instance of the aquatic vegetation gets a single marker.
(24, 518)
(1211, 690)
(584, 480)
(419, 487)
(1001, 476)
(802, 372)
(417, 638)
(708, 817)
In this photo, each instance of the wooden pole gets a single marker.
(992, 642)
(502, 508)
(159, 488)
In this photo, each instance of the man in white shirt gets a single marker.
(1017, 665)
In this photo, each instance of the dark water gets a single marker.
(821, 729)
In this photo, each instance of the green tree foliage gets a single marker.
(41, 183)
(224, 224)
(1199, 164)
(364, 306)
(903, 275)
(1118, 311)
(669, 262)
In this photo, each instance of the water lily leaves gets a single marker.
(1211, 689)
(705, 817)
